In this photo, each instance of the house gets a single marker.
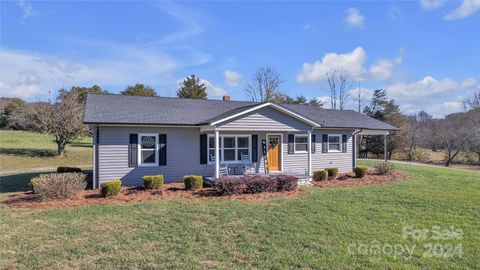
(136, 136)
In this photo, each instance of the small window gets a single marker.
(301, 143)
(229, 148)
(334, 143)
(148, 149)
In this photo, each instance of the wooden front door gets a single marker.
(274, 144)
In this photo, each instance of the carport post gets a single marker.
(385, 142)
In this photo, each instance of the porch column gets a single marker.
(217, 154)
(309, 171)
(385, 141)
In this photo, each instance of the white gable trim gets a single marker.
(270, 104)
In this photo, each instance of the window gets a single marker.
(147, 154)
(301, 143)
(232, 147)
(334, 143)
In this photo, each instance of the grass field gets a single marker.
(25, 150)
(313, 231)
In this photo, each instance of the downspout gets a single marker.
(95, 157)
(354, 152)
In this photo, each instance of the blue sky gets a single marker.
(426, 54)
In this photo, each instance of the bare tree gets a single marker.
(472, 108)
(62, 119)
(340, 84)
(453, 134)
(416, 127)
(265, 85)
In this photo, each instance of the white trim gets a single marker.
(273, 105)
(281, 149)
(139, 145)
(217, 153)
(147, 125)
(295, 143)
(339, 142)
(309, 149)
(221, 148)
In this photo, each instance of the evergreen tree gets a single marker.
(139, 90)
(192, 88)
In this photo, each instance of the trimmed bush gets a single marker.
(332, 172)
(193, 182)
(320, 175)
(360, 171)
(68, 170)
(384, 168)
(58, 185)
(33, 183)
(111, 188)
(153, 181)
(259, 184)
(229, 185)
(286, 182)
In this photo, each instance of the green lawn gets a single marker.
(24, 150)
(313, 231)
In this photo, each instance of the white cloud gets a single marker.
(27, 9)
(353, 63)
(466, 9)
(354, 18)
(232, 78)
(213, 90)
(431, 4)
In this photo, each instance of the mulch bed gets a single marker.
(177, 191)
(349, 179)
(135, 195)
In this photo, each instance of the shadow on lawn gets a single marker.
(81, 144)
(21, 181)
(30, 152)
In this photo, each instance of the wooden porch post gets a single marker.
(309, 171)
(385, 142)
(217, 154)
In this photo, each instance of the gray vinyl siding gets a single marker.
(265, 119)
(183, 154)
(183, 148)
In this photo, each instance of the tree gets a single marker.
(192, 88)
(385, 110)
(472, 107)
(139, 90)
(299, 100)
(340, 84)
(16, 115)
(454, 134)
(62, 119)
(265, 85)
(84, 91)
(416, 126)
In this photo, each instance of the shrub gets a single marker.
(320, 175)
(420, 155)
(111, 188)
(193, 181)
(153, 181)
(68, 170)
(33, 183)
(259, 184)
(58, 185)
(229, 185)
(286, 182)
(384, 168)
(332, 172)
(360, 171)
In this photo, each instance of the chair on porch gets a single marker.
(249, 167)
(223, 167)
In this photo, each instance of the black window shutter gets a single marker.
(133, 151)
(291, 143)
(344, 143)
(254, 148)
(203, 148)
(325, 143)
(162, 149)
(313, 143)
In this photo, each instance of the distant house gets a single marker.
(136, 136)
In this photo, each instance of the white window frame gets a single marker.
(339, 142)
(140, 164)
(295, 143)
(222, 136)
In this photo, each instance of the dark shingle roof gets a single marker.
(118, 109)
